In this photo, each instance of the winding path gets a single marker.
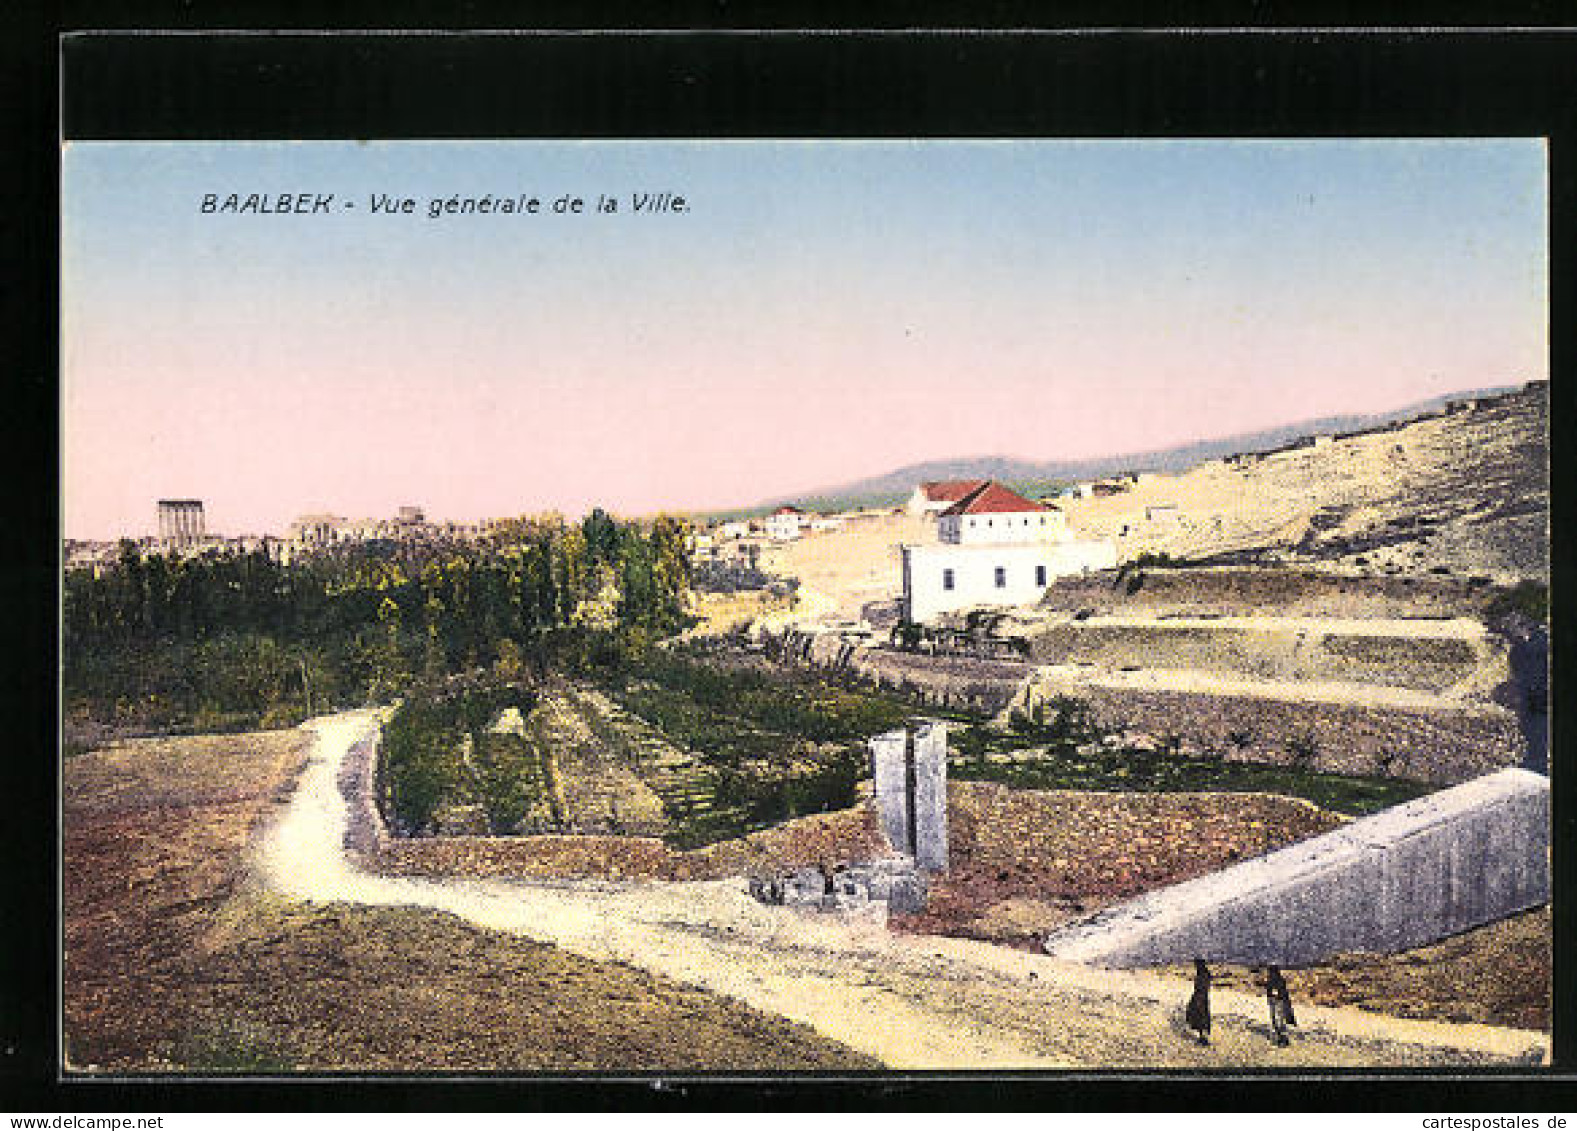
(911, 1001)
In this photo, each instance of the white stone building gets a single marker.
(784, 524)
(994, 547)
(992, 514)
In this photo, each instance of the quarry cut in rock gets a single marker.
(1403, 878)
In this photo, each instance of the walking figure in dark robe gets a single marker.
(1198, 1013)
(1280, 1002)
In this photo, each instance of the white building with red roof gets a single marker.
(994, 547)
(934, 496)
(785, 523)
(993, 514)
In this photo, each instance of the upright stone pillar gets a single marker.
(930, 796)
(889, 769)
(910, 772)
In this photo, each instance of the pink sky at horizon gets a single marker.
(444, 452)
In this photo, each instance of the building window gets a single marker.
(1002, 577)
(1040, 575)
(947, 579)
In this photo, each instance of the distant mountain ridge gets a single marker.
(894, 486)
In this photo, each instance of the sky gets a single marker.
(820, 312)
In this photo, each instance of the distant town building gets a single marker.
(994, 547)
(181, 522)
(311, 532)
(783, 524)
(318, 529)
(96, 556)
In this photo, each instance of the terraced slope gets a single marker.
(674, 775)
(597, 786)
(1467, 493)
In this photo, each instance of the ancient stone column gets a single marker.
(930, 795)
(910, 772)
(181, 521)
(889, 769)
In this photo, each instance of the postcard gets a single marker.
(834, 606)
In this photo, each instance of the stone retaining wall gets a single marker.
(1308, 651)
(365, 832)
(962, 682)
(1264, 591)
(1441, 745)
(848, 836)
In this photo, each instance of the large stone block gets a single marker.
(889, 769)
(910, 773)
(1412, 875)
(930, 796)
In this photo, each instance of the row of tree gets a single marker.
(160, 640)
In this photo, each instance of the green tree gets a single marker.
(389, 671)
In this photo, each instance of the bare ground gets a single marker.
(175, 960)
(1495, 975)
(1025, 862)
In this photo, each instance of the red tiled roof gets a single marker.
(993, 498)
(788, 510)
(950, 490)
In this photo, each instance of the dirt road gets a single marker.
(912, 1002)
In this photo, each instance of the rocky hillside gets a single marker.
(1464, 492)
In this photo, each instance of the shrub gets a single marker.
(971, 742)
(233, 1044)
(421, 768)
(1530, 598)
(282, 715)
(509, 780)
(1062, 723)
